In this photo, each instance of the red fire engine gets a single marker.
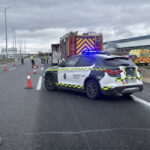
(73, 44)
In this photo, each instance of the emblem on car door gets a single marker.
(65, 76)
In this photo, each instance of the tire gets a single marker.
(92, 89)
(50, 83)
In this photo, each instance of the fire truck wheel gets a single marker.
(50, 83)
(92, 89)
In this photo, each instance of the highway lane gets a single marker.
(32, 119)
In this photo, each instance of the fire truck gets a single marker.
(140, 56)
(73, 44)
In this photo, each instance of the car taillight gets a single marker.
(113, 72)
(139, 70)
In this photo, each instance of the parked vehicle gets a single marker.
(96, 74)
(140, 56)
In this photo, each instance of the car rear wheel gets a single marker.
(50, 83)
(92, 89)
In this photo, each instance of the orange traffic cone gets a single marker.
(5, 68)
(29, 84)
(34, 70)
(14, 64)
(37, 66)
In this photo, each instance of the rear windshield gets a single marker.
(118, 61)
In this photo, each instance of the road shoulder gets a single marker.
(145, 94)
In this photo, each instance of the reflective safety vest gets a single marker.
(32, 57)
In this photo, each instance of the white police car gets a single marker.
(96, 73)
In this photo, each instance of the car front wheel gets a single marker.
(50, 83)
(92, 89)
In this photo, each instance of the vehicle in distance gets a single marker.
(96, 74)
(140, 56)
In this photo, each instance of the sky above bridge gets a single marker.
(42, 22)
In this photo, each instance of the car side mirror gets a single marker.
(62, 64)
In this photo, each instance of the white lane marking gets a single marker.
(42, 68)
(141, 100)
(88, 131)
(12, 68)
(39, 83)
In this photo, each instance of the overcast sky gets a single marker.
(42, 22)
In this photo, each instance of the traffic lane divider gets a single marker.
(12, 69)
(39, 85)
(140, 100)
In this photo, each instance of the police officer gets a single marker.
(43, 59)
(47, 58)
(22, 60)
(32, 60)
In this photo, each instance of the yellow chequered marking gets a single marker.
(66, 69)
(69, 85)
(107, 88)
(122, 79)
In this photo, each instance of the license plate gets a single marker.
(131, 81)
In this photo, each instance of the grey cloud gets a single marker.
(43, 20)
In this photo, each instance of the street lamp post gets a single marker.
(6, 31)
(13, 34)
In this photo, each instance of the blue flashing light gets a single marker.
(90, 52)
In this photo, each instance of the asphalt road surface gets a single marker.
(35, 119)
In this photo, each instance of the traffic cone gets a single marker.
(29, 84)
(14, 64)
(34, 70)
(37, 66)
(5, 68)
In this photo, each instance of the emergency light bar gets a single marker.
(88, 52)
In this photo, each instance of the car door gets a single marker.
(83, 69)
(65, 74)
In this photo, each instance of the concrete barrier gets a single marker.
(145, 75)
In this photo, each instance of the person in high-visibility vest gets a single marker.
(41, 59)
(47, 58)
(32, 60)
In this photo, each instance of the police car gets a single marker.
(95, 73)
